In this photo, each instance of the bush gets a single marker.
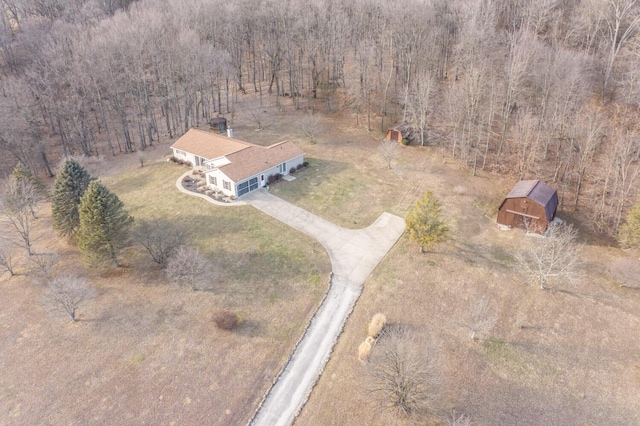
(278, 176)
(179, 161)
(188, 163)
(226, 320)
(292, 170)
(201, 183)
(305, 164)
(376, 325)
(271, 179)
(405, 142)
(365, 349)
(299, 166)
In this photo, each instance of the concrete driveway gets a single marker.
(354, 254)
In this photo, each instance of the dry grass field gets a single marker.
(145, 352)
(561, 357)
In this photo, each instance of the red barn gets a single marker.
(531, 204)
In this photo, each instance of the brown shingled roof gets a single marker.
(537, 191)
(251, 161)
(208, 145)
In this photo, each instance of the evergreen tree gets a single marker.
(71, 183)
(423, 222)
(104, 224)
(629, 233)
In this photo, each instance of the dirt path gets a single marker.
(354, 254)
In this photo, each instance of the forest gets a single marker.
(532, 89)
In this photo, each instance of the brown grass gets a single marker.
(147, 352)
(376, 325)
(565, 356)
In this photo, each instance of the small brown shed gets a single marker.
(398, 133)
(530, 204)
(218, 124)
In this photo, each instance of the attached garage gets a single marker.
(531, 204)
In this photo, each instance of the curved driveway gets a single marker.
(354, 254)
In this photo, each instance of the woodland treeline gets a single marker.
(534, 88)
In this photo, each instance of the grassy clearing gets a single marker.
(570, 363)
(147, 352)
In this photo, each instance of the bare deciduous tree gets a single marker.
(402, 372)
(161, 238)
(458, 419)
(41, 265)
(481, 319)
(555, 256)
(256, 112)
(310, 126)
(67, 293)
(188, 267)
(7, 257)
(18, 200)
(388, 151)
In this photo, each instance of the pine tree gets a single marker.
(629, 233)
(104, 224)
(424, 224)
(71, 183)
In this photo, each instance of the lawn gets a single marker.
(146, 352)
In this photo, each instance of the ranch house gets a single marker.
(233, 167)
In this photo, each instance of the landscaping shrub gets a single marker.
(179, 161)
(226, 320)
(376, 325)
(305, 164)
(405, 142)
(365, 349)
(201, 183)
(292, 170)
(188, 163)
(299, 166)
(271, 179)
(278, 176)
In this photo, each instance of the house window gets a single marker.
(226, 185)
(178, 152)
(282, 168)
(213, 180)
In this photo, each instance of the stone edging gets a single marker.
(204, 197)
(293, 351)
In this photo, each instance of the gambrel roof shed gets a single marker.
(530, 204)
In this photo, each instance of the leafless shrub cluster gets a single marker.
(161, 238)
(188, 267)
(481, 319)
(66, 294)
(556, 256)
(402, 372)
(388, 151)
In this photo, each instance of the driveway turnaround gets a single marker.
(354, 254)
